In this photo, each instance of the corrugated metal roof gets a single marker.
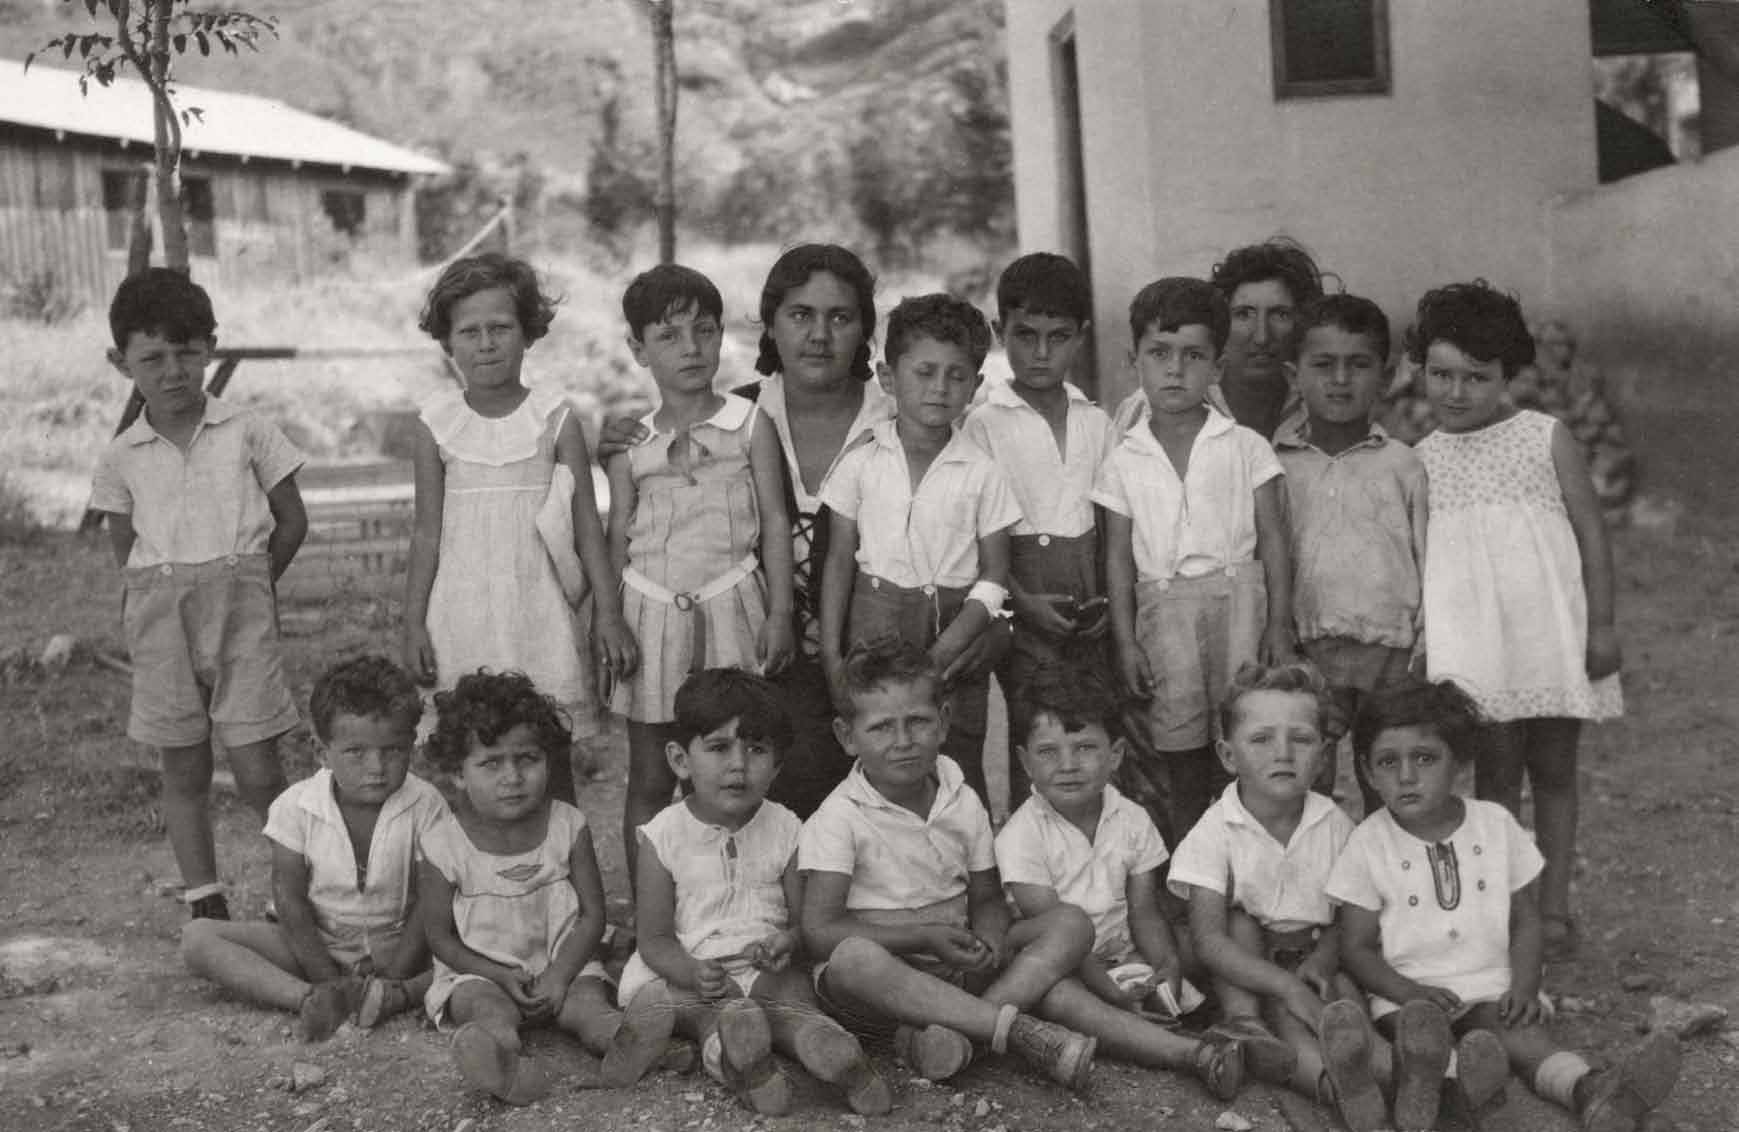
(242, 125)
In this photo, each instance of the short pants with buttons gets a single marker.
(1196, 634)
(203, 638)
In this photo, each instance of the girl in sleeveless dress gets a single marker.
(483, 587)
(688, 506)
(513, 902)
(1518, 572)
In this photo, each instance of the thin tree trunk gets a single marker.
(139, 228)
(167, 138)
(664, 58)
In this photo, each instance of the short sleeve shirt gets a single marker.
(1357, 521)
(730, 889)
(1197, 525)
(898, 862)
(1444, 909)
(1284, 887)
(923, 537)
(206, 503)
(348, 909)
(1041, 847)
(1054, 489)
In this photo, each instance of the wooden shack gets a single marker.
(271, 192)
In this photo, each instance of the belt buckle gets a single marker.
(684, 602)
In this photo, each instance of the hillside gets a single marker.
(793, 112)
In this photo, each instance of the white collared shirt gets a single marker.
(899, 862)
(1039, 846)
(349, 911)
(1054, 489)
(205, 503)
(877, 406)
(1443, 910)
(1197, 525)
(730, 884)
(1283, 886)
(923, 536)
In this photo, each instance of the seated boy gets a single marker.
(901, 896)
(1255, 870)
(1356, 508)
(1049, 441)
(204, 515)
(920, 516)
(1196, 559)
(344, 842)
(1077, 841)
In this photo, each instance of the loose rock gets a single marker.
(1230, 1121)
(305, 1075)
(1683, 1019)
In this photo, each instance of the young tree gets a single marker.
(664, 60)
(147, 36)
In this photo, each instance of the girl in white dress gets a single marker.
(482, 585)
(513, 902)
(1518, 573)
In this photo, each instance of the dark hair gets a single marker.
(1279, 258)
(939, 316)
(482, 707)
(1351, 313)
(164, 302)
(1299, 678)
(466, 277)
(1477, 319)
(881, 662)
(1075, 695)
(369, 686)
(795, 268)
(1177, 301)
(712, 698)
(1442, 707)
(665, 290)
(1044, 283)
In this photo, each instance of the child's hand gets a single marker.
(1442, 998)
(993, 945)
(711, 980)
(773, 953)
(1094, 620)
(418, 653)
(519, 988)
(1136, 672)
(1278, 646)
(551, 993)
(942, 657)
(618, 434)
(1320, 982)
(1520, 1010)
(615, 647)
(980, 656)
(1603, 657)
(956, 947)
(1040, 616)
(775, 646)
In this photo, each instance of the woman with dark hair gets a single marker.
(818, 317)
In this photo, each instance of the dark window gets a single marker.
(1325, 47)
(200, 210)
(346, 208)
(119, 187)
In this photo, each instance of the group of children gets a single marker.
(1176, 551)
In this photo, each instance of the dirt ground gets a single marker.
(101, 1028)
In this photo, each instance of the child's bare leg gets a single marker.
(251, 959)
(866, 972)
(1043, 950)
(1121, 1033)
(1551, 763)
(187, 812)
(259, 776)
(487, 1005)
(650, 781)
(487, 1047)
(589, 1013)
(1498, 765)
(820, 1044)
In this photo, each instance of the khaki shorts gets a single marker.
(206, 661)
(1197, 633)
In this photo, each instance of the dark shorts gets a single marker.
(815, 762)
(880, 609)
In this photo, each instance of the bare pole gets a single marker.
(664, 69)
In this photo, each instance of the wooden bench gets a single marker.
(359, 533)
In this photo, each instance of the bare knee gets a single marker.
(198, 938)
(857, 961)
(1065, 928)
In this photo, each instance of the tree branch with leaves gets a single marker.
(147, 37)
